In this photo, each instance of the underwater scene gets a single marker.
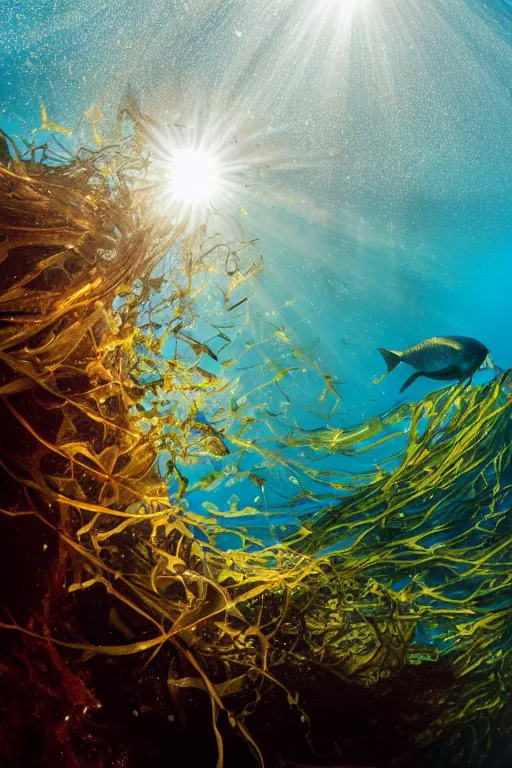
(255, 384)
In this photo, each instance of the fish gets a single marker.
(443, 358)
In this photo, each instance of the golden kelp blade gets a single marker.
(50, 125)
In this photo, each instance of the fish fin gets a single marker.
(390, 358)
(410, 380)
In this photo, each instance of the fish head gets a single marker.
(481, 351)
(474, 357)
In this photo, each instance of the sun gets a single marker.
(210, 172)
(221, 171)
(195, 177)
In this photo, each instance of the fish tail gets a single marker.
(390, 358)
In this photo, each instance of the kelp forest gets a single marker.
(349, 606)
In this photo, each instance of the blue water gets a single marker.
(405, 229)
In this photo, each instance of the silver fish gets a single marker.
(445, 358)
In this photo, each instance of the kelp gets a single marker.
(127, 367)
